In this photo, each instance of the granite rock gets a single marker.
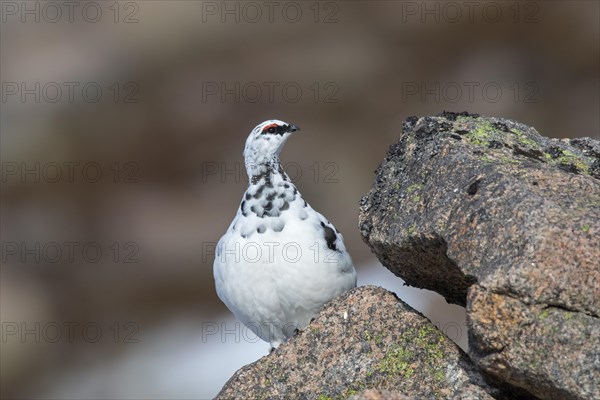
(494, 216)
(366, 338)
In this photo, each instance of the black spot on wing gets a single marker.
(258, 192)
(330, 237)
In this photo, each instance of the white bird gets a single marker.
(280, 260)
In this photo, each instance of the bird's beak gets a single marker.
(293, 128)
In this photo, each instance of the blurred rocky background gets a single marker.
(122, 126)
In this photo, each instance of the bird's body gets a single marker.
(280, 260)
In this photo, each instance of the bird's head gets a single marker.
(266, 141)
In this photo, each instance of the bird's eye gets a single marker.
(270, 128)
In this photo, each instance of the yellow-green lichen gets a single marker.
(351, 391)
(510, 160)
(396, 361)
(439, 375)
(423, 347)
(431, 341)
(569, 158)
(413, 191)
(585, 228)
(347, 393)
(481, 135)
(485, 159)
(377, 338)
(523, 139)
(413, 187)
(424, 341)
(462, 120)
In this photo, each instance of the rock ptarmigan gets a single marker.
(280, 260)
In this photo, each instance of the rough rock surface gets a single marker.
(366, 338)
(471, 392)
(374, 394)
(491, 215)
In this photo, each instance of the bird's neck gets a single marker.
(268, 171)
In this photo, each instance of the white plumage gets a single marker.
(280, 261)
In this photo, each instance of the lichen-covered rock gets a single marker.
(469, 392)
(472, 392)
(374, 394)
(552, 352)
(491, 215)
(367, 338)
